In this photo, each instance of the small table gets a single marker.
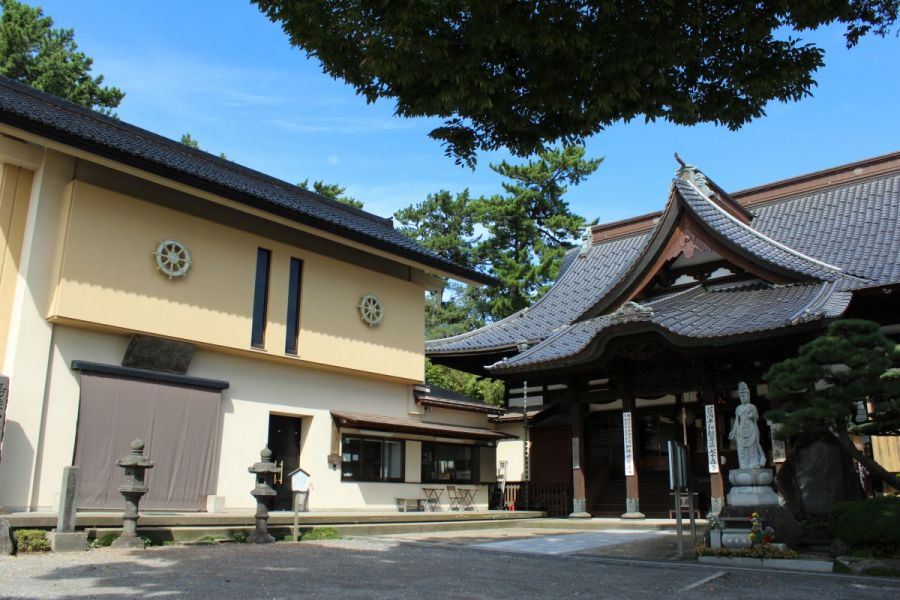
(466, 497)
(433, 498)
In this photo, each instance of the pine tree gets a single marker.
(820, 389)
(33, 53)
(530, 227)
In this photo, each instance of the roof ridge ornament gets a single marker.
(694, 175)
(631, 310)
(587, 240)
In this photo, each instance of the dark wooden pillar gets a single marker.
(632, 492)
(712, 421)
(579, 487)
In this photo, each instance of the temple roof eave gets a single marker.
(701, 316)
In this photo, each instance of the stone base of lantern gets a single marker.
(72, 541)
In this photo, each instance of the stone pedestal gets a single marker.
(6, 542)
(633, 509)
(69, 541)
(64, 538)
(736, 539)
(751, 487)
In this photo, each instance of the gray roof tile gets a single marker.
(71, 124)
(713, 311)
(854, 229)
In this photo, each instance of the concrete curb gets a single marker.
(778, 564)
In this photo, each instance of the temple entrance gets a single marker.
(284, 442)
(651, 432)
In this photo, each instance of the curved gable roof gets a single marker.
(847, 235)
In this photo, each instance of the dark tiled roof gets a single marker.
(849, 235)
(584, 280)
(713, 311)
(856, 226)
(70, 124)
(442, 397)
(763, 248)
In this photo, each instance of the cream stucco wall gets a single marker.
(109, 278)
(512, 451)
(15, 189)
(29, 337)
(257, 388)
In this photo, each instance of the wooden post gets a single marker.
(713, 440)
(632, 492)
(579, 496)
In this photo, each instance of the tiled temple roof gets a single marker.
(703, 311)
(844, 237)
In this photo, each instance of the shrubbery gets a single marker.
(321, 533)
(32, 540)
(759, 551)
(869, 527)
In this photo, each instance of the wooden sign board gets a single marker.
(712, 446)
(629, 446)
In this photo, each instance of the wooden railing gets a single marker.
(554, 498)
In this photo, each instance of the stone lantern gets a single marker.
(264, 493)
(135, 465)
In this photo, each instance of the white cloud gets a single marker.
(332, 160)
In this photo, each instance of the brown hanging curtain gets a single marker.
(179, 424)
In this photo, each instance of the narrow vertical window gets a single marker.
(293, 310)
(260, 298)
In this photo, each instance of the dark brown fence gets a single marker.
(554, 498)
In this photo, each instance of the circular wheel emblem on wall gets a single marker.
(172, 258)
(370, 310)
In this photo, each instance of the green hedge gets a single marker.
(869, 527)
(32, 540)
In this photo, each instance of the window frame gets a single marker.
(474, 464)
(381, 440)
(259, 316)
(292, 325)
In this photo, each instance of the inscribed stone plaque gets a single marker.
(712, 447)
(629, 448)
(4, 400)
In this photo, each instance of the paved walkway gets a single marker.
(378, 569)
(645, 544)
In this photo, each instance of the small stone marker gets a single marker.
(64, 538)
(6, 542)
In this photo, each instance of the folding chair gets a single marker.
(455, 497)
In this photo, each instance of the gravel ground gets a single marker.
(375, 569)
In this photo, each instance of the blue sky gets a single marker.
(221, 71)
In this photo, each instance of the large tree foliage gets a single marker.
(524, 73)
(530, 226)
(34, 53)
(443, 223)
(519, 236)
(820, 389)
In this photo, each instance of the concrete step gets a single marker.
(246, 519)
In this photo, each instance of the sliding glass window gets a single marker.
(447, 463)
(371, 459)
(293, 311)
(260, 298)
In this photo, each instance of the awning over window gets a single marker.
(380, 423)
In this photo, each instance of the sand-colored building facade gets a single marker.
(151, 290)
